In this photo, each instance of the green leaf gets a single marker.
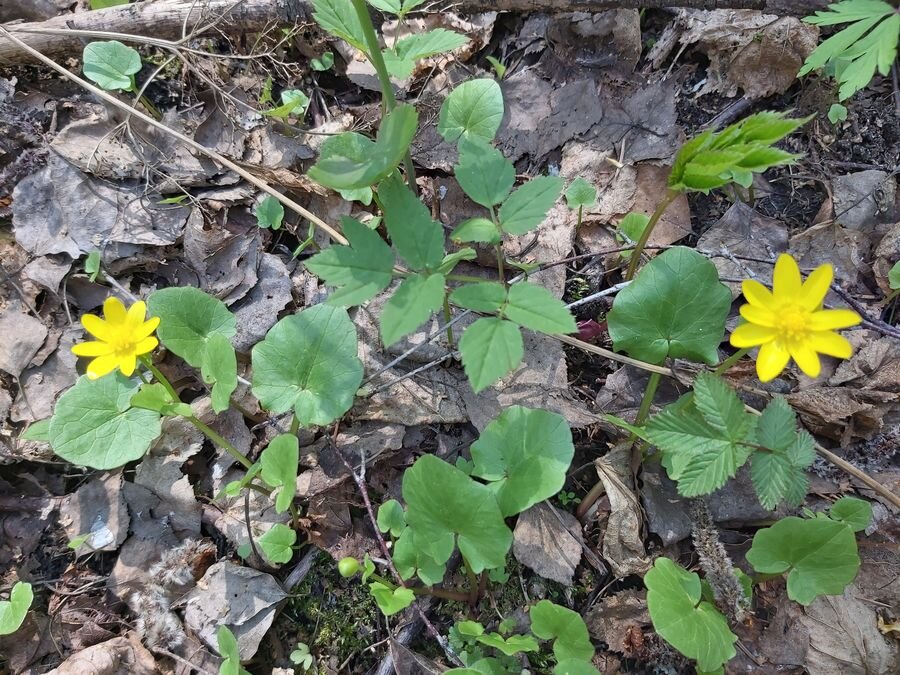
(188, 317)
(534, 307)
(410, 306)
(894, 277)
(453, 259)
(575, 667)
(443, 504)
(111, 65)
(412, 559)
(819, 555)
(565, 627)
(92, 265)
(323, 63)
(581, 194)
(350, 161)
(308, 362)
(219, 369)
(525, 454)
(779, 475)
(360, 271)
(391, 518)
(473, 109)
(479, 230)
(632, 226)
(94, 425)
(103, 4)
(693, 626)
(485, 296)
(401, 60)
(676, 307)
(276, 543)
(279, 463)
(13, 611)
(228, 650)
(293, 102)
(527, 207)
(396, 6)
(37, 431)
(856, 513)
(490, 348)
(514, 644)
(390, 601)
(339, 18)
(483, 173)
(418, 239)
(156, 397)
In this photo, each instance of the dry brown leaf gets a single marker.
(549, 542)
(623, 547)
(619, 621)
(886, 256)
(119, 656)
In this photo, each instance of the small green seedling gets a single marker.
(269, 213)
(837, 113)
(111, 65)
(92, 265)
(228, 650)
(13, 611)
(293, 103)
(322, 63)
(581, 195)
(301, 656)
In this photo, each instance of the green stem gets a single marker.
(645, 235)
(580, 214)
(295, 424)
(501, 272)
(730, 361)
(214, 436)
(473, 583)
(447, 317)
(150, 107)
(162, 379)
(647, 400)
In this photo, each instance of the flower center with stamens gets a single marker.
(793, 322)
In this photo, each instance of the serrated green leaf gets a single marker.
(490, 348)
(188, 317)
(534, 307)
(360, 270)
(474, 108)
(279, 463)
(13, 611)
(219, 368)
(443, 504)
(350, 161)
(391, 518)
(277, 542)
(390, 601)
(779, 475)
(565, 627)
(514, 644)
(581, 194)
(417, 237)
(479, 230)
(92, 264)
(37, 431)
(819, 555)
(524, 454)
(228, 650)
(111, 65)
(527, 207)
(396, 6)
(94, 424)
(411, 305)
(339, 18)
(156, 397)
(486, 296)
(483, 173)
(777, 426)
(308, 361)
(856, 513)
(693, 626)
(676, 307)
(401, 59)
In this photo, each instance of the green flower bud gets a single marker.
(348, 567)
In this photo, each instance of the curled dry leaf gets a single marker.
(623, 547)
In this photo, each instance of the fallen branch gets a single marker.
(172, 19)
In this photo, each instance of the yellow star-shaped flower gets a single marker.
(788, 322)
(122, 336)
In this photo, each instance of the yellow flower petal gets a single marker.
(806, 358)
(136, 314)
(127, 364)
(145, 346)
(114, 311)
(772, 359)
(815, 288)
(786, 279)
(97, 327)
(757, 294)
(102, 365)
(92, 349)
(758, 315)
(146, 328)
(751, 335)
(831, 319)
(830, 343)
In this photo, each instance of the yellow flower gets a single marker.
(121, 335)
(788, 322)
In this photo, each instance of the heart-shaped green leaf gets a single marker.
(187, 319)
(111, 65)
(580, 194)
(854, 512)
(391, 518)
(13, 611)
(390, 601)
(565, 627)
(277, 543)
(474, 108)
(269, 213)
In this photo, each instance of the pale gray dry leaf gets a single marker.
(266, 147)
(29, 334)
(243, 599)
(844, 413)
(407, 662)
(259, 310)
(47, 272)
(548, 541)
(96, 509)
(40, 386)
(623, 547)
(224, 255)
(886, 256)
(864, 200)
(119, 656)
(847, 250)
(29, 644)
(741, 231)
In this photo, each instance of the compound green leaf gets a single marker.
(514, 644)
(527, 207)
(443, 503)
(857, 513)
(524, 454)
(581, 194)
(676, 307)
(417, 237)
(350, 161)
(308, 362)
(398, 7)
(391, 518)
(339, 18)
(13, 611)
(277, 543)
(95, 425)
(360, 271)
(473, 109)
(219, 368)
(401, 60)
(819, 555)
(485, 296)
(188, 317)
(390, 601)
(279, 463)
(111, 65)
(534, 307)
(479, 230)
(779, 475)
(410, 306)
(490, 348)
(228, 650)
(483, 173)
(565, 627)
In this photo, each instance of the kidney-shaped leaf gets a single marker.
(566, 628)
(94, 424)
(308, 362)
(525, 453)
(13, 611)
(187, 319)
(473, 109)
(111, 64)
(279, 468)
(675, 307)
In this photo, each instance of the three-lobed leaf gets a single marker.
(490, 348)
(401, 59)
(779, 474)
(279, 468)
(269, 213)
(111, 64)
(527, 207)
(390, 601)
(473, 109)
(411, 305)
